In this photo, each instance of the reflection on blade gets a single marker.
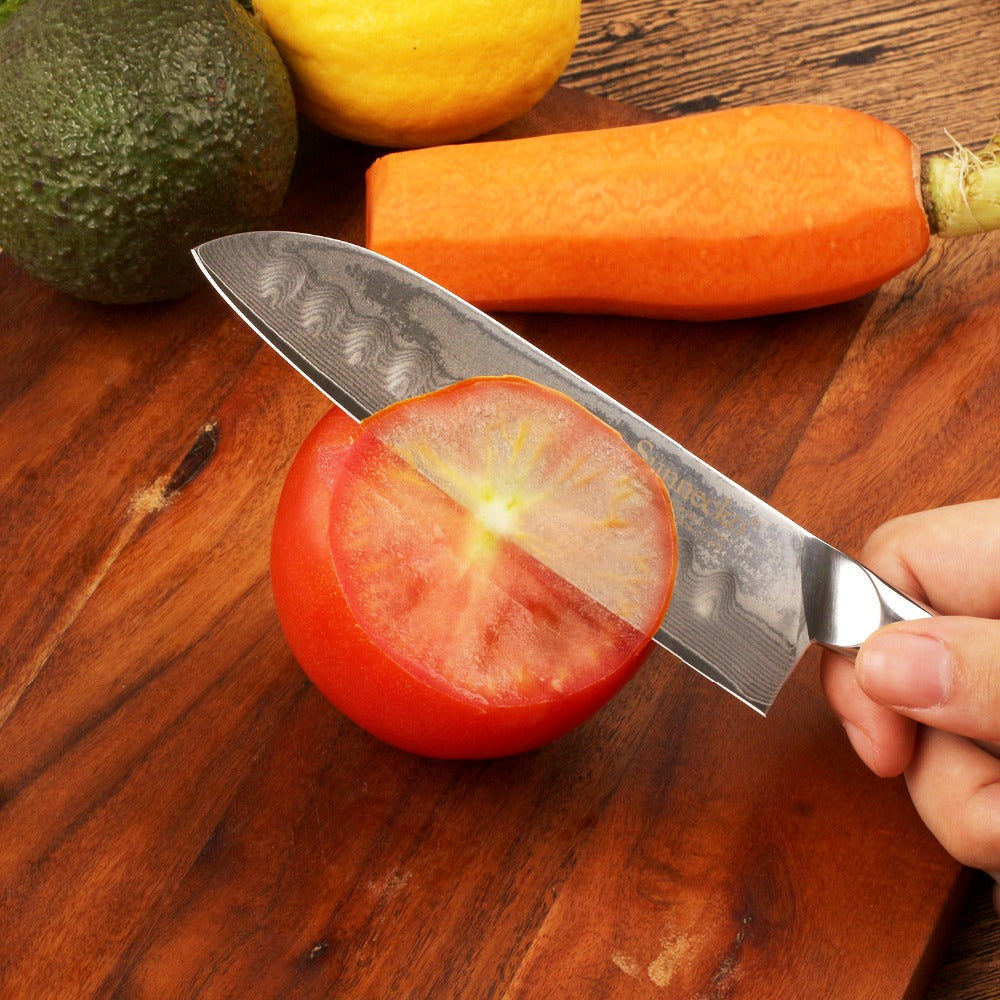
(712, 625)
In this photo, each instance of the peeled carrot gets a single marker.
(720, 215)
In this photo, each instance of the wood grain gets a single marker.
(182, 815)
(916, 65)
(920, 66)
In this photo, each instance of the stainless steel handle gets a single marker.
(845, 601)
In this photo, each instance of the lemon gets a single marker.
(406, 73)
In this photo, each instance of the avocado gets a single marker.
(130, 132)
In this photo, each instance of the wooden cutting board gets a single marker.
(182, 815)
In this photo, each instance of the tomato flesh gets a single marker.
(474, 612)
(473, 572)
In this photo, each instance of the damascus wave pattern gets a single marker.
(375, 355)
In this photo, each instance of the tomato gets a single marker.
(473, 572)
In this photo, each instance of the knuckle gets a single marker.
(974, 840)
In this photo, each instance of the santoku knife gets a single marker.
(753, 589)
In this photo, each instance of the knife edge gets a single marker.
(749, 580)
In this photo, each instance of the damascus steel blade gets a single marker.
(753, 589)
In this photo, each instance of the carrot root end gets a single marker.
(962, 190)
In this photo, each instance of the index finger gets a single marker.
(947, 558)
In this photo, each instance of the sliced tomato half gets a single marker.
(473, 572)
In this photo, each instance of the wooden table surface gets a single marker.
(182, 815)
(918, 65)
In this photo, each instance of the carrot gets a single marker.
(720, 215)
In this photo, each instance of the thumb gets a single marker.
(944, 672)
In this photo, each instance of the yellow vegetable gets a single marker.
(406, 73)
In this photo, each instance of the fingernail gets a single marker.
(905, 669)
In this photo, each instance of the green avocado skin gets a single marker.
(7, 7)
(130, 132)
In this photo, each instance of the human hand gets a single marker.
(919, 693)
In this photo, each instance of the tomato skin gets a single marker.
(356, 676)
